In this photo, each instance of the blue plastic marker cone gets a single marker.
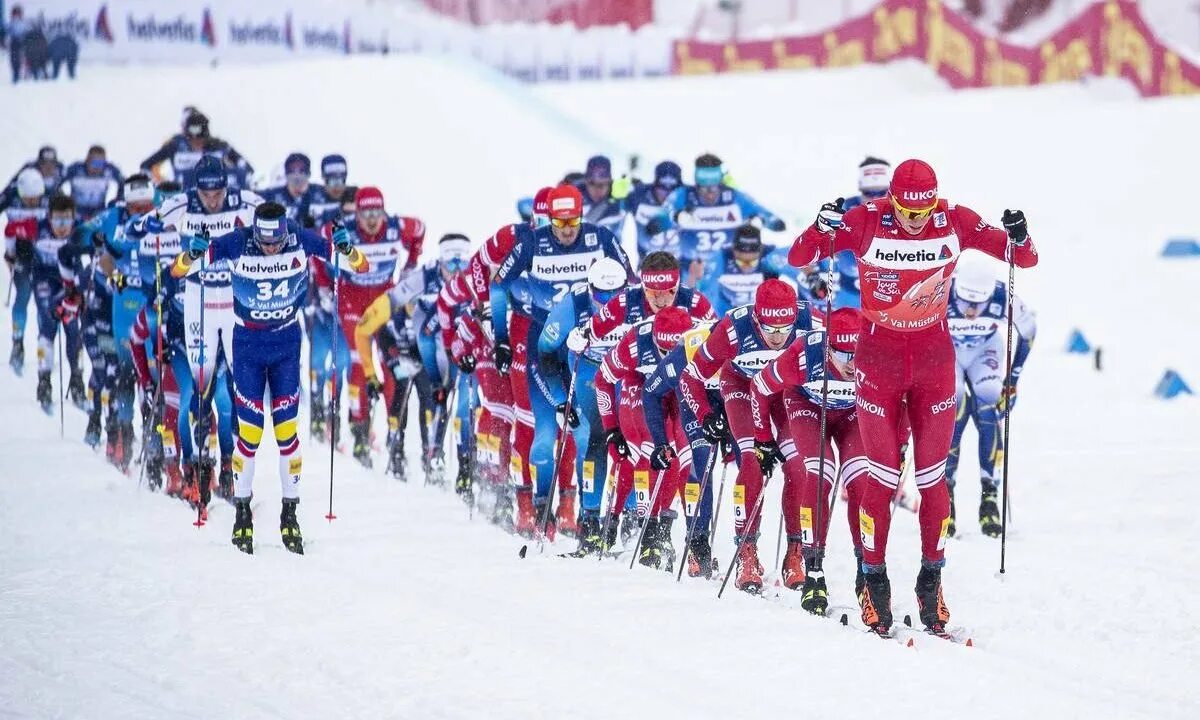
(1171, 385)
(1077, 343)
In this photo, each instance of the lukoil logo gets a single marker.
(870, 407)
(924, 195)
(770, 313)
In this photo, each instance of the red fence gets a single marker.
(1107, 39)
(583, 13)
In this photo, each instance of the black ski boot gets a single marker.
(591, 535)
(664, 539)
(435, 469)
(462, 483)
(225, 479)
(651, 554)
(814, 596)
(930, 604)
(397, 465)
(860, 580)
(91, 436)
(950, 527)
(289, 528)
(876, 601)
(316, 419)
(76, 391)
(989, 512)
(502, 513)
(243, 526)
(44, 391)
(630, 524)
(700, 562)
(17, 359)
(362, 442)
(609, 532)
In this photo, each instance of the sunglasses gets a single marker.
(566, 222)
(776, 329)
(454, 264)
(371, 213)
(912, 214)
(841, 356)
(62, 222)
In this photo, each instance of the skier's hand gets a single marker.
(149, 388)
(439, 395)
(11, 259)
(98, 239)
(715, 427)
(118, 280)
(569, 413)
(374, 389)
(776, 225)
(616, 440)
(341, 238)
(655, 226)
(768, 455)
(1015, 225)
(466, 363)
(1008, 399)
(68, 307)
(621, 187)
(153, 223)
(661, 457)
(198, 244)
(503, 354)
(830, 216)
(578, 338)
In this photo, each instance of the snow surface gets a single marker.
(113, 605)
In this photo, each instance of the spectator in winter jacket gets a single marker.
(17, 28)
(64, 50)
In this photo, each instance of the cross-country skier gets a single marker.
(976, 314)
(185, 150)
(737, 348)
(646, 202)
(737, 270)
(297, 194)
(907, 245)
(90, 181)
(604, 201)
(47, 165)
(334, 192)
(26, 200)
(269, 266)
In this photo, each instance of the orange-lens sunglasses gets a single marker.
(566, 222)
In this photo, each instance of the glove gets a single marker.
(1008, 399)
(661, 457)
(153, 224)
(308, 222)
(466, 363)
(768, 455)
(341, 238)
(568, 412)
(325, 300)
(655, 226)
(621, 188)
(439, 395)
(1015, 225)
(198, 244)
(97, 239)
(118, 280)
(68, 307)
(503, 356)
(830, 216)
(817, 285)
(715, 427)
(578, 339)
(149, 388)
(616, 440)
(776, 225)
(374, 389)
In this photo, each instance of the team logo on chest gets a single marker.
(267, 267)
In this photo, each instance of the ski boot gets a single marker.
(243, 526)
(651, 554)
(435, 469)
(591, 535)
(225, 479)
(989, 512)
(316, 419)
(860, 580)
(44, 391)
(154, 459)
(700, 557)
(876, 601)
(91, 436)
(950, 527)
(289, 528)
(397, 465)
(630, 525)
(550, 530)
(362, 442)
(17, 359)
(664, 538)
(75, 389)
(174, 480)
(525, 517)
(793, 565)
(462, 482)
(930, 604)
(566, 516)
(815, 596)
(124, 453)
(749, 570)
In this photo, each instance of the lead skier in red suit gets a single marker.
(907, 244)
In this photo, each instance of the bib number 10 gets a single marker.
(268, 289)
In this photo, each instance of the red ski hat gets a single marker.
(368, 198)
(541, 201)
(661, 279)
(843, 329)
(775, 303)
(565, 202)
(669, 326)
(914, 186)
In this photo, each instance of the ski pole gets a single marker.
(562, 447)
(62, 421)
(745, 533)
(687, 543)
(1008, 355)
(401, 421)
(819, 544)
(201, 405)
(154, 422)
(335, 395)
(712, 528)
(658, 481)
(611, 487)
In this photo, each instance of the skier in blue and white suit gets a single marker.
(297, 194)
(646, 204)
(269, 267)
(976, 316)
(736, 271)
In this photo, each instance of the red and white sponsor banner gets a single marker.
(581, 13)
(1108, 39)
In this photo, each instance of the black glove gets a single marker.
(568, 412)
(768, 455)
(97, 239)
(776, 225)
(439, 395)
(374, 390)
(830, 216)
(715, 427)
(341, 238)
(466, 363)
(655, 226)
(661, 458)
(118, 280)
(1015, 225)
(616, 440)
(309, 222)
(503, 356)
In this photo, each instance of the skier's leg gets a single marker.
(986, 384)
(931, 410)
(251, 371)
(283, 377)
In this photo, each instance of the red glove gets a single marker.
(68, 307)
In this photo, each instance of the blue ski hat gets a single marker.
(270, 223)
(333, 166)
(668, 175)
(599, 169)
(210, 174)
(297, 163)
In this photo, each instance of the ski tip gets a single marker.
(908, 620)
(910, 643)
(969, 643)
(523, 551)
(844, 619)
